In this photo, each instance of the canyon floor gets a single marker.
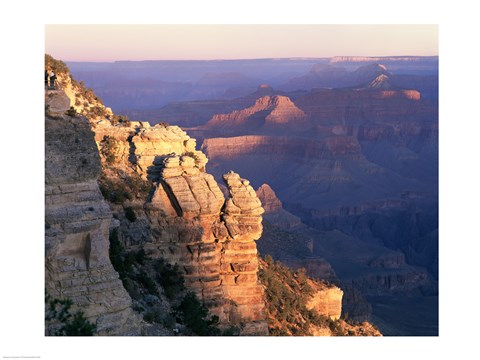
(405, 315)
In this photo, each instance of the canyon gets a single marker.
(343, 155)
(113, 184)
(359, 171)
(182, 222)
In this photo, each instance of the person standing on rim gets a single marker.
(46, 79)
(53, 77)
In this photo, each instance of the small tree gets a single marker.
(170, 277)
(109, 147)
(71, 112)
(193, 314)
(130, 214)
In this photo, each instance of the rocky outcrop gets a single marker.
(77, 222)
(188, 221)
(267, 111)
(56, 101)
(327, 301)
(274, 212)
(380, 82)
(142, 149)
(83, 100)
(269, 199)
(212, 239)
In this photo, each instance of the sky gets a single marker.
(94, 42)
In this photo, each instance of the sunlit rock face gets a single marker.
(211, 238)
(77, 221)
(188, 221)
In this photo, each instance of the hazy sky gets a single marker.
(183, 42)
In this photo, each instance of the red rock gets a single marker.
(266, 110)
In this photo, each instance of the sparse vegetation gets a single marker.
(130, 214)
(287, 293)
(63, 323)
(170, 277)
(148, 283)
(109, 146)
(120, 120)
(71, 112)
(194, 315)
(191, 154)
(130, 187)
(98, 110)
(146, 280)
(58, 66)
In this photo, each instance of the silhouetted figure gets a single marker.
(46, 79)
(53, 77)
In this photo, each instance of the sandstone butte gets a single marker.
(187, 220)
(267, 111)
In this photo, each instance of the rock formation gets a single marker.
(212, 239)
(267, 111)
(380, 82)
(187, 220)
(327, 301)
(84, 101)
(56, 101)
(274, 212)
(269, 199)
(77, 222)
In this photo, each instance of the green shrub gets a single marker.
(98, 111)
(194, 315)
(109, 146)
(131, 186)
(71, 112)
(170, 277)
(169, 321)
(153, 317)
(287, 293)
(140, 256)
(58, 311)
(191, 154)
(130, 214)
(335, 327)
(147, 282)
(122, 120)
(231, 331)
(132, 288)
(58, 66)
(113, 191)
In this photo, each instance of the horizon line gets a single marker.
(260, 58)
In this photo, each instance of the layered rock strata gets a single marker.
(267, 110)
(212, 239)
(327, 301)
(187, 220)
(77, 222)
(274, 211)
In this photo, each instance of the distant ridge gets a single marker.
(338, 59)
